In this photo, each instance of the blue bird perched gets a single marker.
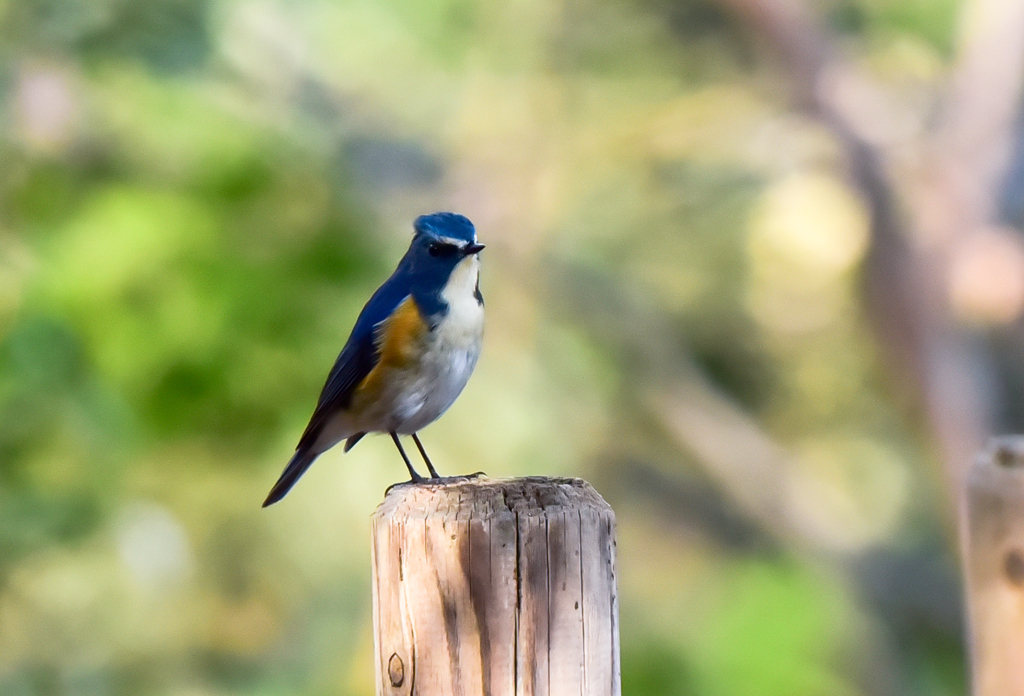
(410, 353)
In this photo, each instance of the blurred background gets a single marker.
(754, 268)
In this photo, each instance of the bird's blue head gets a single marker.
(446, 227)
(441, 259)
(442, 240)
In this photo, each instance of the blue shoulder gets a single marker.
(380, 306)
(424, 289)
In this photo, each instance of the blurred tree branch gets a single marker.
(957, 167)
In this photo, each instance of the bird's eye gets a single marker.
(436, 249)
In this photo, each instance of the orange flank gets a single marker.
(399, 340)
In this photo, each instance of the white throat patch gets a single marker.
(465, 318)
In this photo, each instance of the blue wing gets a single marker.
(357, 358)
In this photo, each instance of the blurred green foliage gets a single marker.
(197, 196)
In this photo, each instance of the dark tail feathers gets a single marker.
(292, 473)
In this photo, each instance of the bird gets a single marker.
(409, 355)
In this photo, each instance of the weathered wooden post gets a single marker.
(994, 563)
(488, 587)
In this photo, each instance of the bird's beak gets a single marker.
(472, 249)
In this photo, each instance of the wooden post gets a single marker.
(994, 563)
(488, 587)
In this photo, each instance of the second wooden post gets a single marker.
(497, 588)
(994, 565)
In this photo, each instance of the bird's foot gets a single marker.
(418, 480)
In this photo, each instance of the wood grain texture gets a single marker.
(994, 565)
(495, 588)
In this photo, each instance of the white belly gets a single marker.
(433, 390)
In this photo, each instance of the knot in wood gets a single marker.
(396, 670)
(1007, 452)
(1013, 566)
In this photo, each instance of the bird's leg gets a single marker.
(416, 478)
(423, 452)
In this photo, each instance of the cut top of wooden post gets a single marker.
(465, 498)
(496, 587)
